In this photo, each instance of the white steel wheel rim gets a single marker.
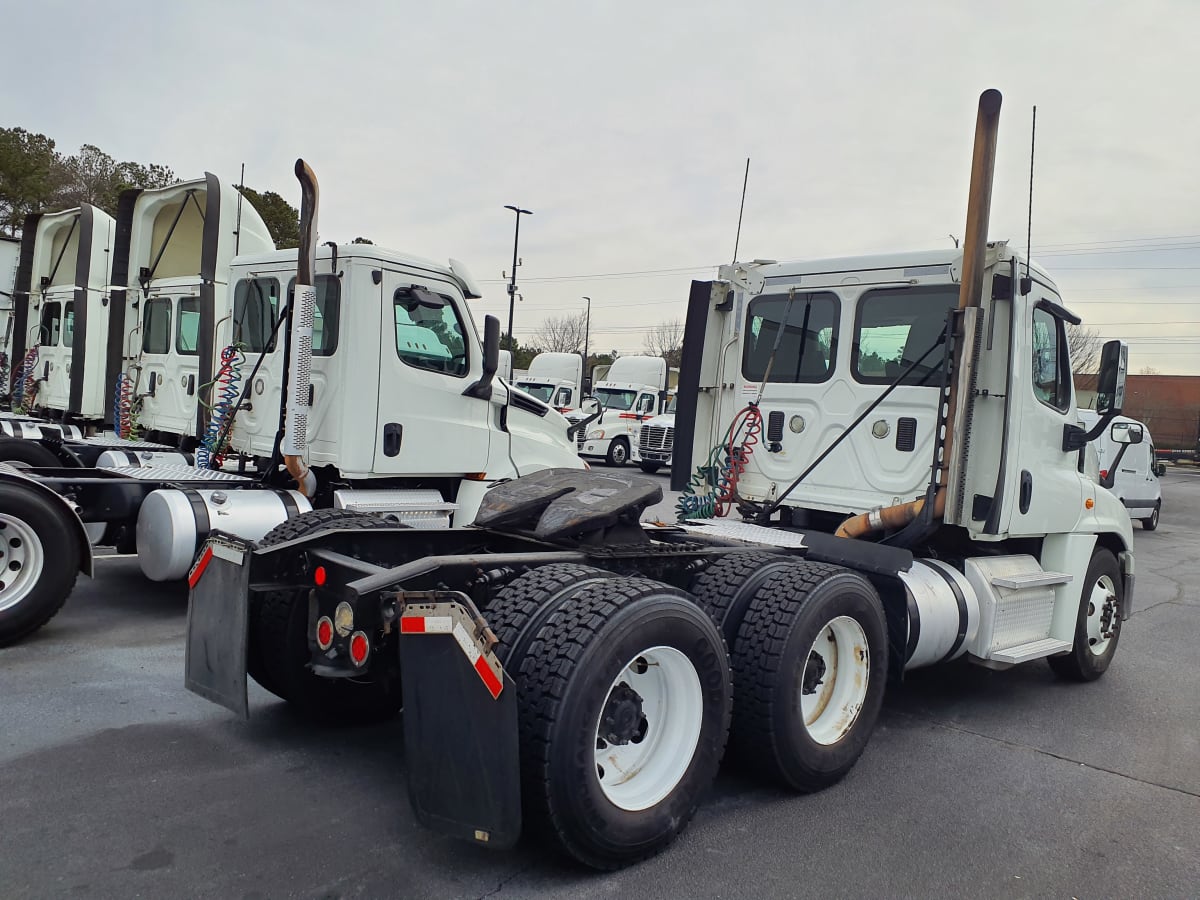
(636, 773)
(1101, 614)
(618, 452)
(832, 682)
(21, 561)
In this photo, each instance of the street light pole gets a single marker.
(586, 327)
(512, 283)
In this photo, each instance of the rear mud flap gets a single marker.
(460, 728)
(217, 625)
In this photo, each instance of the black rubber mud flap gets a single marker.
(460, 728)
(215, 666)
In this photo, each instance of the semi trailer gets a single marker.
(365, 389)
(562, 665)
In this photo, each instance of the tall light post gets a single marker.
(586, 326)
(512, 283)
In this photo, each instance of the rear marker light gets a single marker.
(324, 632)
(319, 576)
(360, 648)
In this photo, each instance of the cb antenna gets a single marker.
(1027, 286)
(741, 209)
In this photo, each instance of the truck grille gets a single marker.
(656, 437)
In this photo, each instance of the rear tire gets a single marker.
(809, 666)
(629, 676)
(1098, 625)
(618, 452)
(39, 559)
(278, 653)
(27, 454)
(726, 588)
(1151, 523)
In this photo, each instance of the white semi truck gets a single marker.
(368, 391)
(633, 390)
(656, 440)
(897, 436)
(554, 378)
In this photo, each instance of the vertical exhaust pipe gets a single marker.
(970, 294)
(304, 299)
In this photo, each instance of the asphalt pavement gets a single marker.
(116, 782)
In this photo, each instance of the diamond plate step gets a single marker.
(1032, 650)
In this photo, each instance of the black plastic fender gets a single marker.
(29, 482)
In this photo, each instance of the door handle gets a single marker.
(393, 434)
(153, 384)
(191, 385)
(1026, 491)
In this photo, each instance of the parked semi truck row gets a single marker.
(563, 664)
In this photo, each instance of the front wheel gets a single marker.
(649, 467)
(624, 710)
(810, 664)
(618, 452)
(39, 559)
(1098, 625)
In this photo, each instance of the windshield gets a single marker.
(614, 398)
(541, 391)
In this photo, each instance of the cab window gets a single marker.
(326, 313)
(895, 327)
(429, 334)
(187, 326)
(51, 324)
(156, 326)
(68, 326)
(255, 307)
(809, 343)
(1051, 369)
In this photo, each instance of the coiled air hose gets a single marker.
(214, 443)
(24, 385)
(712, 489)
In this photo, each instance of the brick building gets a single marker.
(1168, 404)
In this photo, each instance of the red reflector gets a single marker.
(412, 625)
(324, 632)
(319, 576)
(360, 647)
(201, 565)
(489, 677)
(1104, 473)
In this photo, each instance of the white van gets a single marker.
(1135, 478)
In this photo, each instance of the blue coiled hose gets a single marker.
(211, 452)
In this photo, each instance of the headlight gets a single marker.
(597, 435)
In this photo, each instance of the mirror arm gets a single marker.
(587, 420)
(1109, 480)
(1075, 437)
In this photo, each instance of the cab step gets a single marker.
(1029, 651)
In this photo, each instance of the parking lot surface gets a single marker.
(116, 782)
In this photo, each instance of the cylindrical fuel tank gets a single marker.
(22, 428)
(117, 459)
(943, 613)
(172, 522)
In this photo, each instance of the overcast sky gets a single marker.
(625, 127)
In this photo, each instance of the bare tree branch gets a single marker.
(666, 340)
(1083, 345)
(561, 334)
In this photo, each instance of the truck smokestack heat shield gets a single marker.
(295, 428)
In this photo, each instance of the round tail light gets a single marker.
(360, 648)
(324, 632)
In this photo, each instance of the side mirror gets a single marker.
(1126, 433)
(491, 360)
(592, 409)
(1110, 384)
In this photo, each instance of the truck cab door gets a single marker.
(427, 357)
(170, 367)
(1046, 494)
